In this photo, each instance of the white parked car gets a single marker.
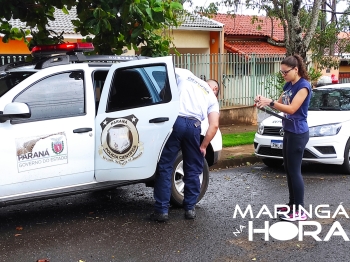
(329, 126)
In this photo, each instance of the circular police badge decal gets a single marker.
(120, 140)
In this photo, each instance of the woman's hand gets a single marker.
(261, 101)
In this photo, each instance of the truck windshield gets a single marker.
(10, 79)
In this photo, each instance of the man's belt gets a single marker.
(189, 117)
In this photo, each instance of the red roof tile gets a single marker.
(253, 47)
(242, 25)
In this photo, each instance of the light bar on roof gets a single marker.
(61, 48)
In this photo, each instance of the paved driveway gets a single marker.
(114, 225)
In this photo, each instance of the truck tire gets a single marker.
(346, 164)
(177, 184)
(270, 162)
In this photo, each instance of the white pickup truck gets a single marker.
(72, 123)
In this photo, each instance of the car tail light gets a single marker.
(61, 48)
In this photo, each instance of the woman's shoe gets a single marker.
(297, 216)
(285, 209)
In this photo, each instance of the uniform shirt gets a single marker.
(299, 124)
(197, 99)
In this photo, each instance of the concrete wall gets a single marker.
(13, 47)
(246, 115)
(191, 39)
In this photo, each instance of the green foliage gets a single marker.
(274, 83)
(324, 43)
(113, 24)
(238, 139)
(314, 75)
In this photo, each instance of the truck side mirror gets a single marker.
(15, 110)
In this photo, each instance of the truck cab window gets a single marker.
(99, 78)
(138, 87)
(57, 96)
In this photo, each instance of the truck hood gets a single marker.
(315, 118)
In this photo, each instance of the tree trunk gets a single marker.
(299, 43)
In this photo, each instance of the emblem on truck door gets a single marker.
(41, 151)
(120, 140)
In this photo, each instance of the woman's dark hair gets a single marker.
(296, 61)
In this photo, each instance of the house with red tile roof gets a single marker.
(245, 34)
(262, 35)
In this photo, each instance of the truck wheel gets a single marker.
(346, 164)
(270, 162)
(177, 184)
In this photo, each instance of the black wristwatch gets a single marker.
(272, 103)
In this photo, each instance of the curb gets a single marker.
(242, 161)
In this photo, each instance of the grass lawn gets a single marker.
(238, 139)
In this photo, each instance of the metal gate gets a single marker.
(344, 78)
(7, 59)
(242, 77)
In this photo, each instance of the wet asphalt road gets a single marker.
(114, 225)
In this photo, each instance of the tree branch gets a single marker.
(336, 13)
(275, 43)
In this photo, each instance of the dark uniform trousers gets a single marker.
(186, 137)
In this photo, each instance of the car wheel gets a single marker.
(346, 164)
(270, 162)
(177, 185)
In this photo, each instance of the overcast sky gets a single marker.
(341, 6)
(243, 11)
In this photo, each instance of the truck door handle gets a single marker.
(82, 130)
(159, 120)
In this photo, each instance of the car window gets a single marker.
(160, 77)
(57, 96)
(9, 80)
(345, 100)
(137, 87)
(330, 99)
(99, 78)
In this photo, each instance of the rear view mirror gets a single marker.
(15, 110)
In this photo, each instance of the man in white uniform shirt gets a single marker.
(197, 101)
